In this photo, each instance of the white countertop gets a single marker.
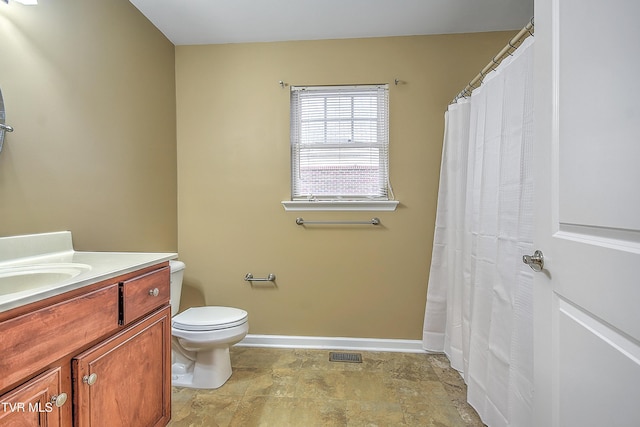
(54, 249)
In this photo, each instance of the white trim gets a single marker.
(340, 205)
(333, 343)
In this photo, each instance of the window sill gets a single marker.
(340, 205)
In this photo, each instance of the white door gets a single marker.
(587, 160)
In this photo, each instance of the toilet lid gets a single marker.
(209, 318)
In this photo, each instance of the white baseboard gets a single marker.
(333, 343)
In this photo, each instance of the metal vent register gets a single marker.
(345, 357)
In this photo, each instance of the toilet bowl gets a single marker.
(201, 337)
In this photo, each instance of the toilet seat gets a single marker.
(210, 318)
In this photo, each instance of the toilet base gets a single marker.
(211, 369)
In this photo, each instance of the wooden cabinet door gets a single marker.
(126, 380)
(32, 404)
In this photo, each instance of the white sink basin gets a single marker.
(21, 278)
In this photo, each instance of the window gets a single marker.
(340, 143)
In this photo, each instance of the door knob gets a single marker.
(535, 261)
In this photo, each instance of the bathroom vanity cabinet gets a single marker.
(96, 356)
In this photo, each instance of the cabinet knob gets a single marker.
(90, 379)
(154, 292)
(58, 399)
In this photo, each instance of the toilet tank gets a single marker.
(177, 272)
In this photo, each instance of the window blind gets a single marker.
(340, 142)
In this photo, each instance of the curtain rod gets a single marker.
(496, 60)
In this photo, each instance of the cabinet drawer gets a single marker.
(36, 339)
(145, 293)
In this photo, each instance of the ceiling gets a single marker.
(186, 22)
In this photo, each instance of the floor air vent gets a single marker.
(345, 357)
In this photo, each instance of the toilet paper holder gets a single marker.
(249, 278)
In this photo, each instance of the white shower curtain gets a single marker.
(479, 299)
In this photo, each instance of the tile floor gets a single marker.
(286, 387)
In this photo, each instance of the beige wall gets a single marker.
(89, 87)
(233, 171)
(91, 91)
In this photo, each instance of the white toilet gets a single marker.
(201, 337)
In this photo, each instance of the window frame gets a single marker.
(355, 150)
